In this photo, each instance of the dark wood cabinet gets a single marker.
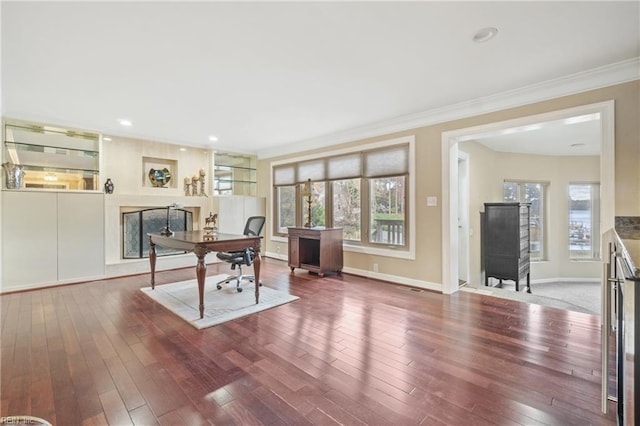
(317, 250)
(505, 242)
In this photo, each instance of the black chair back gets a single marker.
(254, 225)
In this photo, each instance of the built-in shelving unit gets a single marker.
(53, 157)
(234, 174)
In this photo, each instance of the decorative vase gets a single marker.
(108, 186)
(14, 175)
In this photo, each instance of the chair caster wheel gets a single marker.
(219, 287)
(239, 290)
(260, 284)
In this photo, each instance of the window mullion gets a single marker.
(365, 209)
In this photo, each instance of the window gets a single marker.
(286, 212)
(533, 193)
(346, 207)
(364, 192)
(584, 229)
(387, 210)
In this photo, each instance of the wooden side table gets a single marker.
(315, 249)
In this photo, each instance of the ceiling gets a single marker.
(263, 76)
(578, 136)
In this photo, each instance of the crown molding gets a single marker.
(608, 75)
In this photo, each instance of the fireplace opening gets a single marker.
(137, 224)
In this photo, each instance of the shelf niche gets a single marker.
(149, 163)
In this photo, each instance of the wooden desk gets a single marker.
(317, 249)
(201, 244)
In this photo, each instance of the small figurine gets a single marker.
(210, 227)
(108, 186)
(187, 186)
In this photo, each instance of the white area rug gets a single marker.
(220, 306)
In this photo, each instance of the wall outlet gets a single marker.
(375, 267)
(278, 249)
(432, 201)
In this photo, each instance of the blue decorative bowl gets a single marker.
(159, 178)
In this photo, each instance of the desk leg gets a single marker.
(152, 262)
(201, 274)
(256, 274)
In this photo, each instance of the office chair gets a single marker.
(245, 257)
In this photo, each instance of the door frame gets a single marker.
(463, 215)
(450, 154)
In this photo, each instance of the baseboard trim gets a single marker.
(565, 280)
(412, 282)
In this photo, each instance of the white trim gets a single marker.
(394, 279)
(379, 251)
(608, 75)
(376, 275)
(450, 176)
(278, 256)
(564, 280)
(23, 287)
(465, 216)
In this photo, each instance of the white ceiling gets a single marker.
(580, 135)
(263, 75)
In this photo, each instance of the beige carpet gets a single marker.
(220, 306)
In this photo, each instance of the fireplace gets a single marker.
(136, 224)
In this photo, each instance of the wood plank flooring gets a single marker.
(350, 351)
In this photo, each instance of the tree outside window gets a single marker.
(387, 210)
(286, 211)
(346, 208)
(317, 204)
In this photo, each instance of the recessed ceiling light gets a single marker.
(106, 138)
(125, 122)
(485, 34)
(213, 138)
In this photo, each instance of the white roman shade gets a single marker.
(314, 170)
(344, 166)
(384, 162)
(392, 161)
(284, 175)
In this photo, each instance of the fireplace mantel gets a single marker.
(116, 203)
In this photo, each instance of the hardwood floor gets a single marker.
(350, 351)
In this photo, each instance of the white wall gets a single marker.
(127, 162)
(489, 169)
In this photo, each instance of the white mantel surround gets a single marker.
(114, 204)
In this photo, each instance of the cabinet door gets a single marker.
(294, 255)
(231, 218)
(80, 236)
(29, 239)
(233, 212)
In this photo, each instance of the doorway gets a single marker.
(450, 177)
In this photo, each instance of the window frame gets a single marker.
(406, 251)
